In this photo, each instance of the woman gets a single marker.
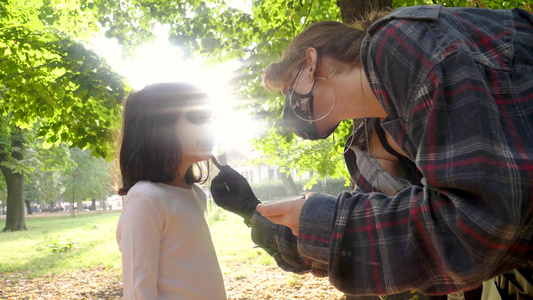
(454, 91)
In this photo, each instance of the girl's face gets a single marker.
(195, 133)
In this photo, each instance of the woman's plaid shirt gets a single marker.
(457, 86)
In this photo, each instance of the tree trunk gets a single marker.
(352, 10)
(80, 206)
(71, 207)
(28, 207)
(73, 200)
(288, 184)
(15, 188)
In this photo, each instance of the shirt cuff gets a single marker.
(316, 227)
(263, 232)
(279, 242)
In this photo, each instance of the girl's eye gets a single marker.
(199, 117)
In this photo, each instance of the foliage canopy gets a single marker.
(256, 36)
(50, 78)
(47, 74)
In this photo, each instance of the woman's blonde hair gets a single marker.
(339, 41)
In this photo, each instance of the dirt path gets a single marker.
(267, 282)
(242, 283)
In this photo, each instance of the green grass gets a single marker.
(89, 241)
(92, 235)
(232, 241)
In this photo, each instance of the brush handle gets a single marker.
(215, 162)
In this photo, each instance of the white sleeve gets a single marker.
(139, 236)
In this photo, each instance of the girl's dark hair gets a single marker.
(150, 149)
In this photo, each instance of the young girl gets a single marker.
(163, 234)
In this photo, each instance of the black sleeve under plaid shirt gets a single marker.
(457, 86)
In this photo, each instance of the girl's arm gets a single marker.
(138, 235)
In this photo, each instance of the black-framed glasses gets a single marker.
(302, 103)
(291, 88)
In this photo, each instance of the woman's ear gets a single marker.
(311, 62)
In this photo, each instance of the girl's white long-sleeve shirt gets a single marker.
(166, 245)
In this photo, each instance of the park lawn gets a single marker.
(91, 238)
(233, 243)
(58, 245)
(91, 269)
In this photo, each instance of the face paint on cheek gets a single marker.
(204, 145)
(195, 140)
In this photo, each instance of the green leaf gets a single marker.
(46, 145)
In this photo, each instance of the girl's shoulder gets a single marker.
(153, 191)
(198, 190)
(145, 187)
(166, 197)
(162, 191)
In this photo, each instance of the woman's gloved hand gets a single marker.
(232, 192)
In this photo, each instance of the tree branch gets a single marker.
(308, 12)
(481, 4)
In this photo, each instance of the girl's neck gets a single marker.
(179, 180)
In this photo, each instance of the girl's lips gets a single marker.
(205, 144)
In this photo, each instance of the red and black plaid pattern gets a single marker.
(457, 86)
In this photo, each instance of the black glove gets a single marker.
(232, 192)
